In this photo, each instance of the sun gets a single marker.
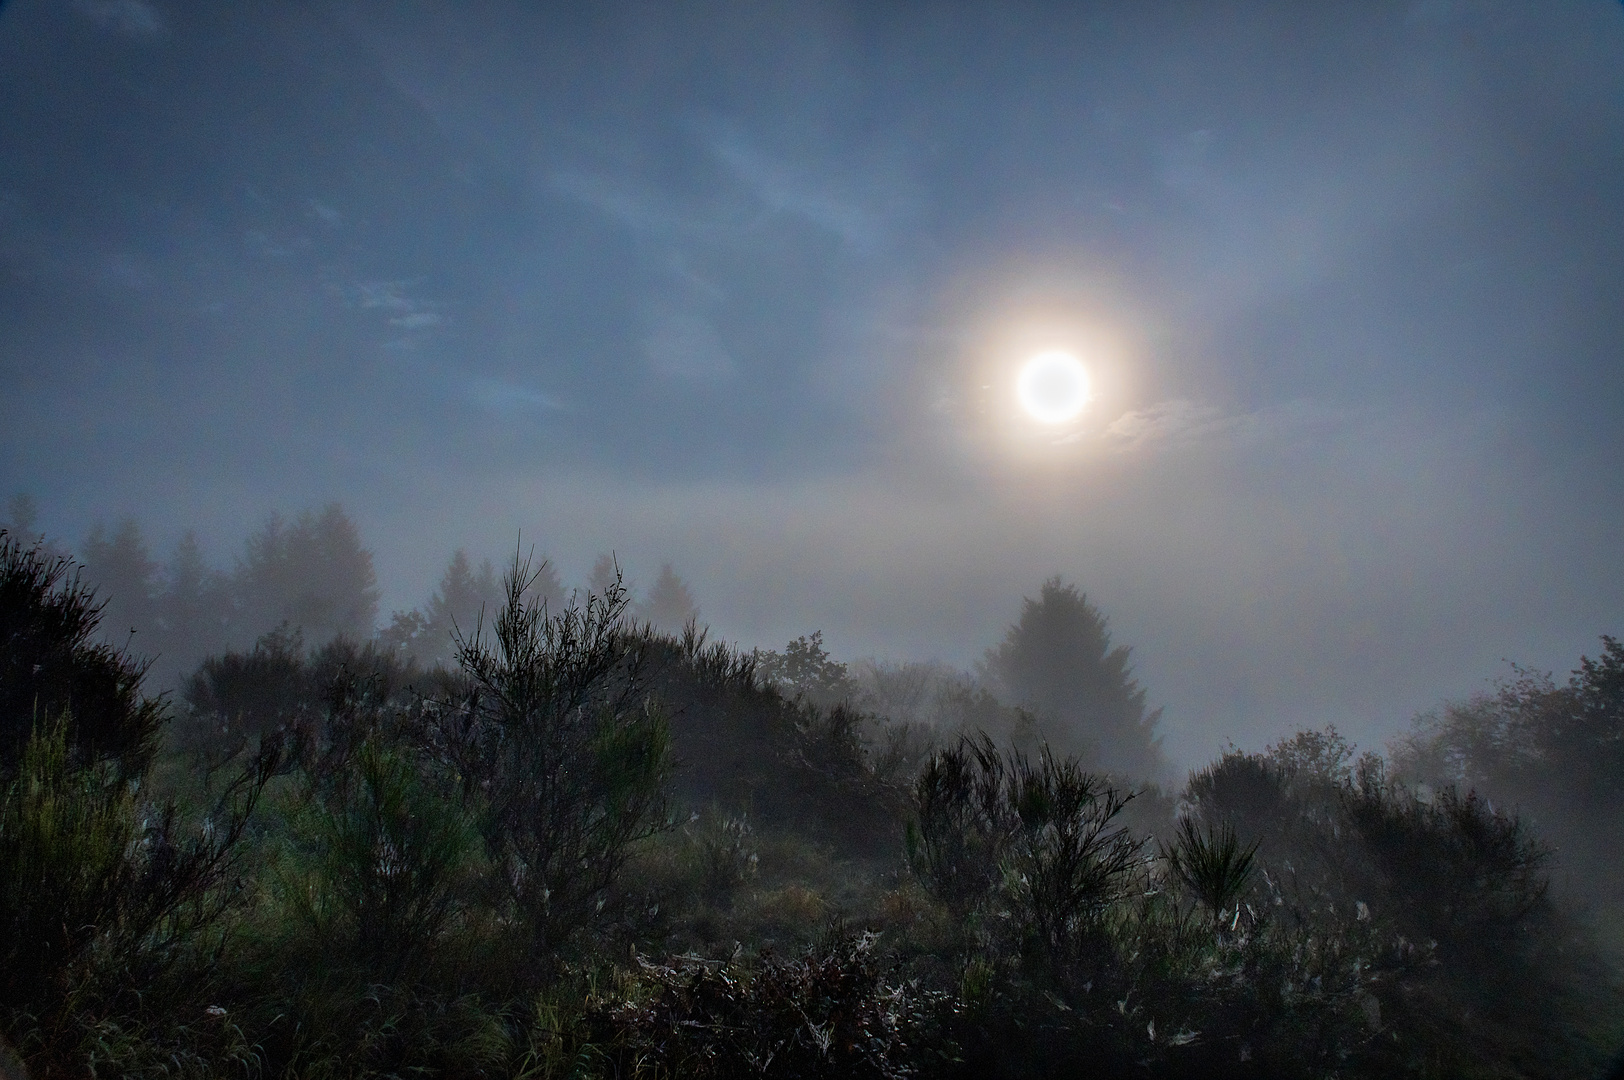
(1053, 387)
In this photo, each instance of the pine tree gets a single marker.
(1058, 661)
(193, 609)
(669, 605)
(122, 571)
(466, 598)
(605, 574)
(312, 574)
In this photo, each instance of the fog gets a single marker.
(743, 289)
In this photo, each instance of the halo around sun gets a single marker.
(1053, 387)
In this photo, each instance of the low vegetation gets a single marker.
(593, 849)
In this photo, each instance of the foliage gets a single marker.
(1041, 837)
(962, 826)
(1070, 858)
(99, 895)
(53, 666)
(1057, 660)
(312, 573)
(804, 670)
(669, 605)
(1212, 863)
(829, 1012)
(563, 748)
(1555, 750)
(470, 873)
(388, 864)
(126, 577)
(235, 698)
(466, 597)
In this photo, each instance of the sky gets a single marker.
(746, 287)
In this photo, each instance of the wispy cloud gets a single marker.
(1169, 422)
(688, 347)
(329, 215)
(417, 320)
(1182, 422)
(507, 400)
(640, 209)
(390, 295)
(786, 190)
(131, 18)
(765, 183)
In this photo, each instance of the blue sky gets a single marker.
(744, 287)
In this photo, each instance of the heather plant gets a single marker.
(1212, 863)
(386, 864)
(55, 667)
(830, 1011)
(103, 889)
(479, 873)
(955, 843)
(1069, 861)
(562, 749)
(1039, 840)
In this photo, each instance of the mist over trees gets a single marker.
(312, 574)
(464, 598)
(669, 604)
(1058, 661)
(1555, 751)
(525, 832)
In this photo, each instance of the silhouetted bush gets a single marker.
(385, 864)
(563, 750)
(102, 891)
(1553, 750)
(55, 669)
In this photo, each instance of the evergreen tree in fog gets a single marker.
(193, 611)
(547, 587)
(605, 572)
(1057, 660)
(311, 573)
(21, 515)
(669, 605)
(466, 599)
(126, 579)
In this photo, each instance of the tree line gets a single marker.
(310, 574)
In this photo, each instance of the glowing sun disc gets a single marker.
(1053, 387)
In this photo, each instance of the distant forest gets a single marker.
(526, 830)
(309, 575)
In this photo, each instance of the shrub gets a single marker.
(55, 668)
(1212, 863)
(1042, 836)
(388, 865)
(561, 748)
(1069, 860)
(99, 896)
(829, 1012)
(957, 839)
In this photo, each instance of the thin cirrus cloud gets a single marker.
(1169, 423)
(641, 210)
(129, 18)
(508, 400)
(1182, 422)
(688, 347)
(782, 189)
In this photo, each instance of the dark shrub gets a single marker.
(829, 1012)
(560, 746)
(54, 668)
